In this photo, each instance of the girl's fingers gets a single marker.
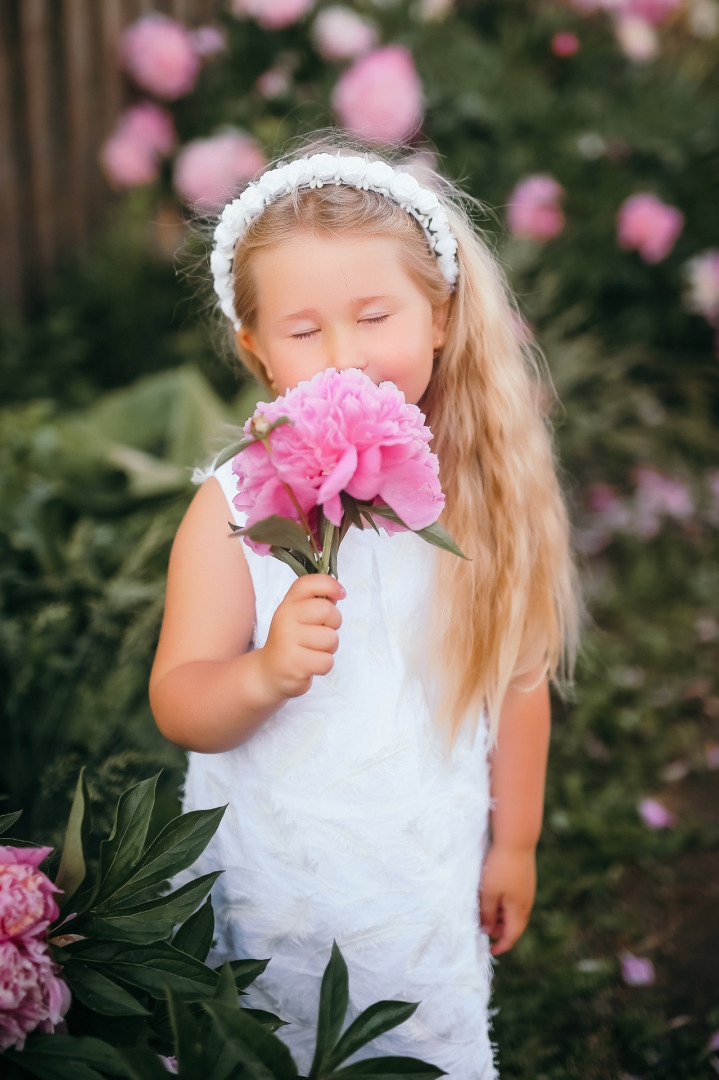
(510, 928)
(488, 909)
(319, 638)
(321, 585)
(319, 612)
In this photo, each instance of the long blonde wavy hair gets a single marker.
(509, 615)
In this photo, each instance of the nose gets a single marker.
(343, 349)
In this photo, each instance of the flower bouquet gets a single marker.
(333, 452)
(103, 971)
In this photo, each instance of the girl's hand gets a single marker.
(303, 636)
(509, 881)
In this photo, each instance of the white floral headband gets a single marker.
(313, 172)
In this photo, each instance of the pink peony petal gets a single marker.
(209, 171)
(159, 54)
(380, 97)
(533, 210)
(648, 226)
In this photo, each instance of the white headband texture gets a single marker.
(313, 172)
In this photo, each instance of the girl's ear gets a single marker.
(246, 340)
(440, 316)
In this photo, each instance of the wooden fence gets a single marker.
(60, 94)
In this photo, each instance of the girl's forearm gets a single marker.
(213, 705)
(518, 768)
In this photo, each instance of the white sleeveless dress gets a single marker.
(348, 819)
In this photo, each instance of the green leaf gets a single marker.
(385, 1068)
(99, 993)
(370, 1024)
(300, 568)
(334, 998)
(351, 510)
(434, 534)
(246, 971)
(187, 1038)
(261, 1053)
(152, 968)
(280, 532)
(61, 1057)
(142, 1064)
(73, 867)
(8, 820)
(195, 935)
(267, 1019)
(174, 849)
(370, 520)
(232, 450)
(155, 920)
(123, 849)
(226, 989)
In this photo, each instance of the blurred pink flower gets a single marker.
(647, 225)
(636, 971)
(159, 54)
(346, 434)
(565, 43)
(656, 815)
(659, 496)
(340, 34)
(31, 993)
(209, 171)
(637, 38)
(208, 40)
(712, 755)
(604, 501)
(143, 133)
(273, 83)
(380, 96)
(27, 906)
(533, 210)
(272, 14)
(652, 11)
(702, 274)
(433, 10)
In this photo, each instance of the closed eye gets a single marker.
(375, 319)
(309, 333)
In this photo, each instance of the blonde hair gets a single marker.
(512, 609)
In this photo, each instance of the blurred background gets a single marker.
(590, 132)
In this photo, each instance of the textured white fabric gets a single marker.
(349, 819)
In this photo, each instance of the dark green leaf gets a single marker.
(370, 1024)
(61, 1057)
(280, 532)
(73, 868)
(152, 968)
(226, 989)
(187, 1038)
(334, 998)
(174, 849)
(260, 1052)
(370, 520)
(232, 450)
(143, 1064)
(434, 534)
(8, 820)
(123, 849)
(99, 993)
(386, 1068)
(267, 1019)
(246, 971)
(155, 920)
(300, 568)
(351, 510)
(195, 935)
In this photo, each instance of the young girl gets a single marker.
(369, 736)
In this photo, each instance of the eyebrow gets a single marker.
(358, 302)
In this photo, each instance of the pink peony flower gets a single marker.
(649, 226)
(346, 434)
(565, 43)
(380, 96)
(637, 38)
(208, 40)
(273, 83)
(272, 14)
(609, 508)
(26, 902)
(654, 12)
(340, 34)
(31, 993)
(534, 211)
(158, 53)
(636, 971)
(656, 815)
(143, 133)
(209, 171)
(659, 496)
(702, 273)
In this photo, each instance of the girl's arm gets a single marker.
(518, 769)
(207, 691)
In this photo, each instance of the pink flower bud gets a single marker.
(158, 53)
(380, 97)
(209, 171)
(636, 971)
(656, 815)
(533, 210)
(637, 38)
(272, 14)
(647, 225)
(565, 43)
(208, 40)
(340, 34)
